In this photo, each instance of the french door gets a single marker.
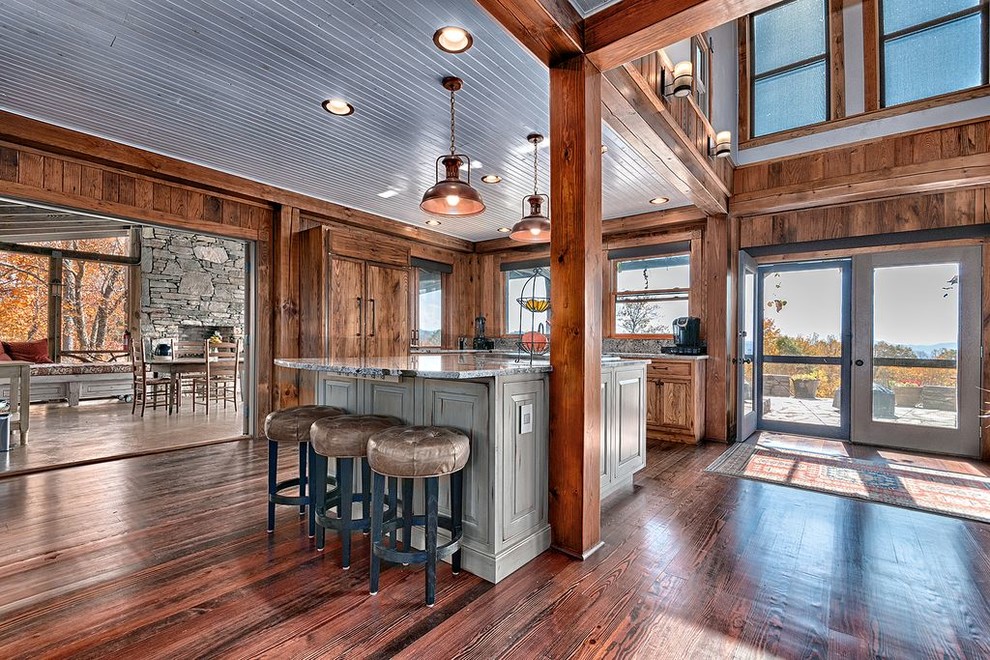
(880, 349)
(916, 369)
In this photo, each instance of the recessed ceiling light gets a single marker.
(659, 201)
(604, 149)
(433, 223)
(338, 107)
(504, 230)
(491, 178)
(452, 39)
(388, 193)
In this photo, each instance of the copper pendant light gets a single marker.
(452, 197)
(534, 226)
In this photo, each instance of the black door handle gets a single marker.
(858, 363)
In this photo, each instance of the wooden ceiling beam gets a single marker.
(552, 30)
(630, 29)
(633, 111)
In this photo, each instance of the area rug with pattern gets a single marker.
(909, 486)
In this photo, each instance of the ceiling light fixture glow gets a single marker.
(491, 178)
(338, 107)
(433, 223)
(385, 194)
(659, 201)
(453, 39)
(503, 230)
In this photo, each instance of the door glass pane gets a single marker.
(430, 307)
(802, 312)
(802, 393)
(939, 60)
(797, 97)
(915, 344)
(749, 325)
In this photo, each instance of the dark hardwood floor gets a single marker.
(166, 556)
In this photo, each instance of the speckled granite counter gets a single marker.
(443, 366)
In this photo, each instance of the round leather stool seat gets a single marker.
(347, 436)
(292, 424)
(418, 451)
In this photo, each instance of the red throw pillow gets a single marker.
(29, 351)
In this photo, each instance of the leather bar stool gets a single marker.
(417, 452)
(344, 439)
(292, 426)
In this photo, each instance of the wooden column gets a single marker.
(576, 292)
(285, 326)
(717, 305)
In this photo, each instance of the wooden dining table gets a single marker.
(175, 367)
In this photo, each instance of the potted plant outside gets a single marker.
(805, 386)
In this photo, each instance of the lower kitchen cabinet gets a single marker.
(675, 400)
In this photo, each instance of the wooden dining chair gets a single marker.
(146, 384)
(220, 383)
(187, 349)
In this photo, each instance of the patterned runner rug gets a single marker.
(909, 486)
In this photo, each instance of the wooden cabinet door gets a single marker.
(523, 499)
(676, 407)
(346, 308)
(653, 402)
(386, 314)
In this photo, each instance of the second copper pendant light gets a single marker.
(534, 227)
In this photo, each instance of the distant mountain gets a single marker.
(927, 350)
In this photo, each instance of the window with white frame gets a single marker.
(650, 292)
(517, 319)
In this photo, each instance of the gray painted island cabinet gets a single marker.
(504, 411)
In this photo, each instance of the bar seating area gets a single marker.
(386, 451)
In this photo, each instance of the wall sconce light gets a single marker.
(682, 80)
(721, 146)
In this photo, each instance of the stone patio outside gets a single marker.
(820, 411)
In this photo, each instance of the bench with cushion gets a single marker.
(67, 382)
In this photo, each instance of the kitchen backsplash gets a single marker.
(650, 346)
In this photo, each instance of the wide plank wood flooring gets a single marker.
(166, 556)
(63, 435)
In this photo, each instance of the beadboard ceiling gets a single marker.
(588, 7)
(236, 85)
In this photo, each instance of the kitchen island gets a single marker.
(501, 404)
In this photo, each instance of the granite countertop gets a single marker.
(448, 366)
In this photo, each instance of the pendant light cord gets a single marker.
(452, 122)
(536, 188)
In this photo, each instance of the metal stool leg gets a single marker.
(302, 475)
(318, 494)
(272, 480)
(456, 515)
(366, 489)
(393, 488)
(407, 513)
(345, 484)
(377, 511)
(432, 495)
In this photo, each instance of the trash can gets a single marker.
(5, 432)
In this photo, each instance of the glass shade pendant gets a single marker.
(451, 196)
(534, 226)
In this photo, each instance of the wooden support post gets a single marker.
(717, 305)
(576, 293)
(286, 307)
